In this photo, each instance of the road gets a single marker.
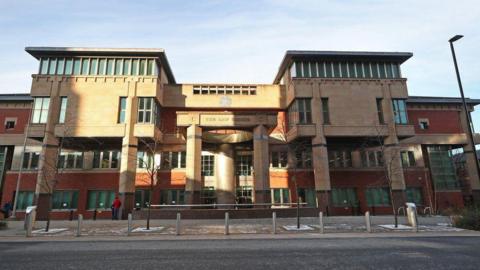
(325, 253)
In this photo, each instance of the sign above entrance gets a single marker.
(225, 120)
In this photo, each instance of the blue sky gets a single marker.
(244, 41)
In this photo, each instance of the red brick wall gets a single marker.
(22, 119)
(441, 122)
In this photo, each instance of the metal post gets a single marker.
(467, 114)
(79, 225)
(178, 224)
(29, 225)
(274, 223)
(129, 226)
(322, 228)
(368, 222)
(226, 223)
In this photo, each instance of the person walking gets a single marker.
(7, 207)
(116, 207)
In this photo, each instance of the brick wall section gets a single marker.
(22, 120)
(441, 122)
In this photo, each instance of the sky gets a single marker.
(244, 41)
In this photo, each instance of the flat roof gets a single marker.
(442, 100)
(290, 56)
(38, 52)
(16, 97)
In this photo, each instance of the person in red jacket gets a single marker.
(116, 208)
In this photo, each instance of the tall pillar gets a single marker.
(193, 172)
(225, 175)
(46, 178)
(261, 163)
(128, 161)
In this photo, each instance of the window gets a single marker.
(279, 159)
(224, 90)
(60, 66)
(172, 160)
(144, 160)
(308, 195)
(244, 194)
(30, 160)
(423, 123)
(110, 66)
(400, 111)
(126, 66)
(344, 197)
(118, 67)
(280, 196)
(63, 110)
(372, 159)
(325, 111)
(135, 67)
(142, 198)
(300, 112)
(93, 66)
(52, 68)
(106, 159)
(76, 66)
(303, 157)
(208, 165)
(10, 123)
(150, 69)
(70, 160)
(141, 68)
(244, 165)
(208, 195)
(24, 199)
(44, 66)
(442, 167)
(102, 63)
(85, 66)
(122, 110)
(414, 194)
(381, 120)
(146, 110)
(378, 196)
(100, 199)
(40, 110)
(408, 159)
(172, 196)
(69, 66)
(65, 199)
(340, 158)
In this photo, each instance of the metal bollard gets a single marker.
(79, 225)
(29, 225)
(367, 222)
(178, 224)
(226, 223)
(129, 225)
(322, 228)
(274, 223)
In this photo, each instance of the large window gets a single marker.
(172, 160)
(30, 160)
(24, 199)
(244, 194)
(372, 159)
(208, 195)
(63, 110)
(279, 159)
(442, 168)
(106, 159)
(280, 196)
(147, 110)
(172, 196)
(208, 165)
(325, 111)
(100, 199)
(308, 195)
(244, 165)
(300, 112)
(303, 157)
(88, 66)
(122, 109)
(142, 198)
(319, 69)
(400, 111)
(65, 199)
(378, 196)
(344, 197)
(414, 194)
(40, 110)
(381, 119)
(70, 160)
(144, 160)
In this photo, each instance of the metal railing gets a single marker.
(215, 205)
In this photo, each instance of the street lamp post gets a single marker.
(467, 114)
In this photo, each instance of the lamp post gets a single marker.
(467, 114)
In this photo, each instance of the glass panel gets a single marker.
(388, 67)
(306, 70)
(336, 70)
(142, 67)
(102, 200)
(69, 66)
(126, 67)
(351, 69)
(115, 158)
(375, 73)
(76, 66)
(85, 66)
(93, 66)
(321, 69)
(110, 67)
(328, 69)
(343, 68)
(395, 70)
(367, 70)
(381, 67)
(313, 69)
(135, 67)
(60, 66)
(44, 66)
(101, 66)
(118, 66)
(150, 67)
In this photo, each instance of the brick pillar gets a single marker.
(261, 162)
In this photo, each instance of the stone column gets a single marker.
(193, 171)
(261, 162)
(48, 157)
(128, 160)
(225, 175)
